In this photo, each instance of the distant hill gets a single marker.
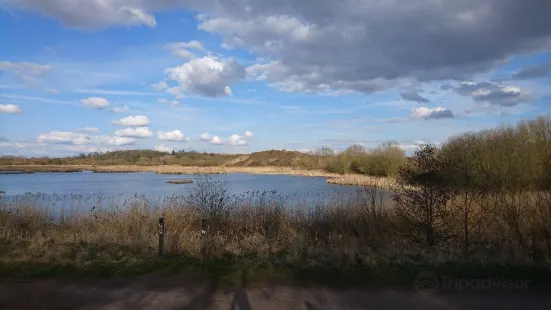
(271, 158)
(192, 158)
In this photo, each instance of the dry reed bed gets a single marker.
(259, 224)
(504, 229)
(362, 180)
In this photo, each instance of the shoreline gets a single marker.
(331, 178)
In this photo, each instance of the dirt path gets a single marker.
(154, 292)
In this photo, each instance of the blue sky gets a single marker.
(82, 76)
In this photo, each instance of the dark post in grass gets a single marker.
(161, 235)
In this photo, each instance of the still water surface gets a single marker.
(153, 185)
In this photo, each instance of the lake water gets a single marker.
(124, 185)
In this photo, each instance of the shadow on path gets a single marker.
(240, 298)
(203, 300)
(310, 306)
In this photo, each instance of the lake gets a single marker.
(152, 185)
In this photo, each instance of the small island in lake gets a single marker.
(179, 181)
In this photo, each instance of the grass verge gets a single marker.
(230, 269)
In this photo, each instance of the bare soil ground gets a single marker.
(178, 292)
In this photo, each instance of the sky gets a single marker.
(242, 76)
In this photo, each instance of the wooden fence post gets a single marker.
(161, 235)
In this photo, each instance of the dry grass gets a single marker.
(262, 235)
(362, 180)
(362, 229)
(259, 224)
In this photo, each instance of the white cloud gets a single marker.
(182, 49)
(227, 91)
(428, 113)
(283, 78)
(206, 136)
(355, 45)
(59, 141)
(120, 109)
(95, 102)
(113, 140)
(193, 44)
(138, 120)
(236, 139)
(44, 149)
(216, 140)
(163, 148)
(89, 129)
(79, 140)
(318, 46)
(86, 148)
(414, 145)
(39, 99)
(488, 93)
(51, 90)
(176, 92)
(64, 137)
(111, 92)
(159, 86)
(28, 79)
(10, 108)
(91, 13)
(17, 145)
(208, 76)
(174, 135)
(413, 95)
(136, 132)
(119, 141)
(275, 29)
(26, 71)
(184, 53)
(135, 16)
(248, 134)
(172, 103)
(409, 147)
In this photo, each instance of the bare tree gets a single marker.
(324, 151)
(421, 198)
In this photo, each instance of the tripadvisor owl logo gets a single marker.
(426, 283)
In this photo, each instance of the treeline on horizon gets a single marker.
(124, 157)
(381, 161)
(513, 155)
